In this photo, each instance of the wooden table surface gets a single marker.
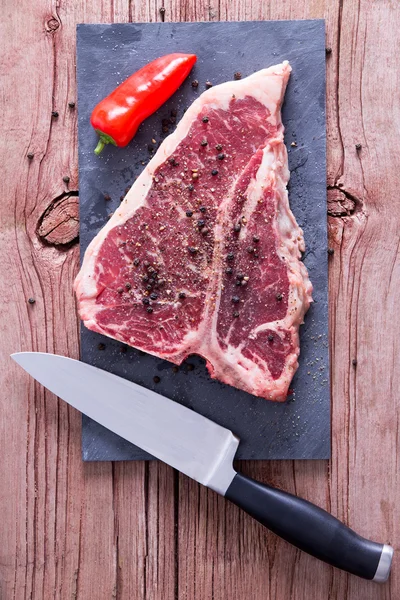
(140, 531)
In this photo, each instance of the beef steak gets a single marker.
(203, 255)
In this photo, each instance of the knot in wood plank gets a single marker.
(52, 25)
(340, 204)
(59, 224)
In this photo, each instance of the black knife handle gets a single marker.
(311, 529)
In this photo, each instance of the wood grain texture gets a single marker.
(140, 531)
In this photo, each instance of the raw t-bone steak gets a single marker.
(203, 255)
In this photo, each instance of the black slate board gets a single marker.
(106, 55)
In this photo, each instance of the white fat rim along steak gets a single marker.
(166, 279)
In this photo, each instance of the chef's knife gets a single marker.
(204, 451)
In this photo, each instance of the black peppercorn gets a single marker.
(230, 256)
(279, 297)
(205, 119)
(250, 249)
(218, 147)
(331, 251)
(71, 104)
(182, 295)
(208, 84)
(149, 310)
(221, 156)
(214, 172)
(270, 337)
(237, 227)
(328, 50)
(31, 300)
(358, 146)
(256, 239)
(145, 301)
(54, 114)
(229, 271)
(189, 213)
(153, 296)
(236, 314)
(200, 223)
(203, 143)
(240, 276)
(30, 155)
(66, 179)
(156, 379)
(192, 250)
(235, 299)
(190, 187)
(128, 286)
(101, 346)
(237, 75)
(136, 262)
(202, 209)
(195, 84)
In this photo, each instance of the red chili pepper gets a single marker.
(116, 118)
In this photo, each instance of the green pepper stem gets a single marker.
(99, 147)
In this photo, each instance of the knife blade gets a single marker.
(170, 432)
(204, 451)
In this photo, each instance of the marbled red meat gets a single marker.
(203, 256)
